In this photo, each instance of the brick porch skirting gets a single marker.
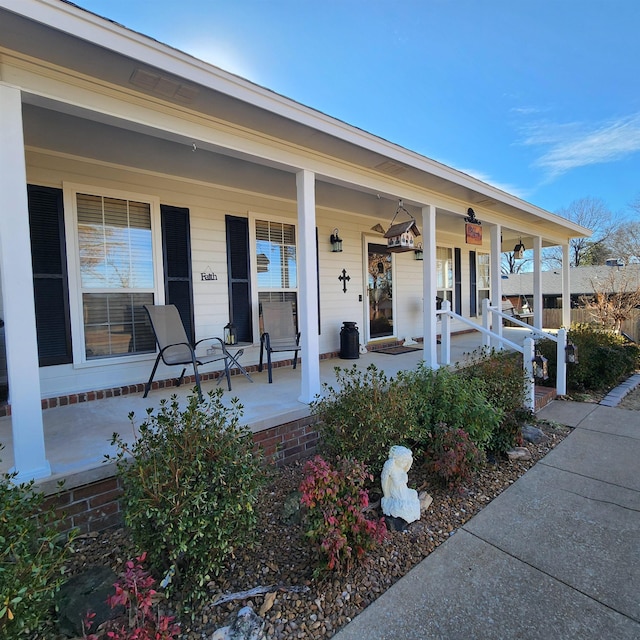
(95, 505)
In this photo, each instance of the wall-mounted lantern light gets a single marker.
(336, 241)
(571, 353)
(540, 367)
(418, 251)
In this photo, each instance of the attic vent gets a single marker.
(390, 167)
(163, 86)
(487, 202)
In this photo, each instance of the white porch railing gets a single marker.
(496, 339)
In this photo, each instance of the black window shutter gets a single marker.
(239, 271)
(50, 283)
(457, 274)
(473, 285)
(176, 251)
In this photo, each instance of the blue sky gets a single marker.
(538, 97)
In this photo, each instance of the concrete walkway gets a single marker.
(556, 556)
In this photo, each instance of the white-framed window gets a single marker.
(483, 279)
(276, 261)
(444, 274)
(116, 257)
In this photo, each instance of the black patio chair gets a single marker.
(175, 347)
(278, 332)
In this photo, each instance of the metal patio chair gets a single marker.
(176, 348)
(278, 332)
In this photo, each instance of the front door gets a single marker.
(379, 291)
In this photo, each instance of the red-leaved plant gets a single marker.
(452, 456)
(335, 498)
(135, 592)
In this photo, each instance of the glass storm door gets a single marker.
(380, 291)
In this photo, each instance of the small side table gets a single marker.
(234, 357)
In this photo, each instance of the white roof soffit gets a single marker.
(69, 18)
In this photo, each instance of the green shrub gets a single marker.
(190, 481)
(452, 456)
(605, 358)
(335, 498)
(32, 557)
(367, 412)
(441, 396)
(502, 379)
(362, 416)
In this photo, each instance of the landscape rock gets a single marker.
(533, 434)
(519, 453)
(425, 501)
(395, 524)
(247, 626)
(85, 592)
(292, 508)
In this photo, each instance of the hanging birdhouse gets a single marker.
(402, 235)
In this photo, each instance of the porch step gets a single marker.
(544, 396)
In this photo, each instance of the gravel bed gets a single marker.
(631, 401)
(282, 555)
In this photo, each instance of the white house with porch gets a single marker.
(132, 173)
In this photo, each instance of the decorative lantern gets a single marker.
(336, 241)
(418, 251)
(540, 367)
(571, 353)
(401, 236)
(230, 334)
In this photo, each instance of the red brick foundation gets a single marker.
(288, 442)
(89, 507)
(96, 506)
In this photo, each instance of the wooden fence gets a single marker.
(552, 319)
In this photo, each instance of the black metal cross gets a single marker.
(345, 278)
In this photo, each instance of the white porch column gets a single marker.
(496, 277)
(537, 282)
(17, 290)
(308, 286)
(429, 287)
(566, 286)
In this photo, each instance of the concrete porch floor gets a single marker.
(78, 436)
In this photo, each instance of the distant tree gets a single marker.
(593, 214)
(596, 253)
(624, 243)
(511, 264)
(614, 297)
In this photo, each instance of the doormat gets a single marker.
(395, 351)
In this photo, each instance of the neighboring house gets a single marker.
(518, 287)
(132, 173)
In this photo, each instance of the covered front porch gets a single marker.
(77, 436)
(137, 175)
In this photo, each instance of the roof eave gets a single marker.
(74, 20)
